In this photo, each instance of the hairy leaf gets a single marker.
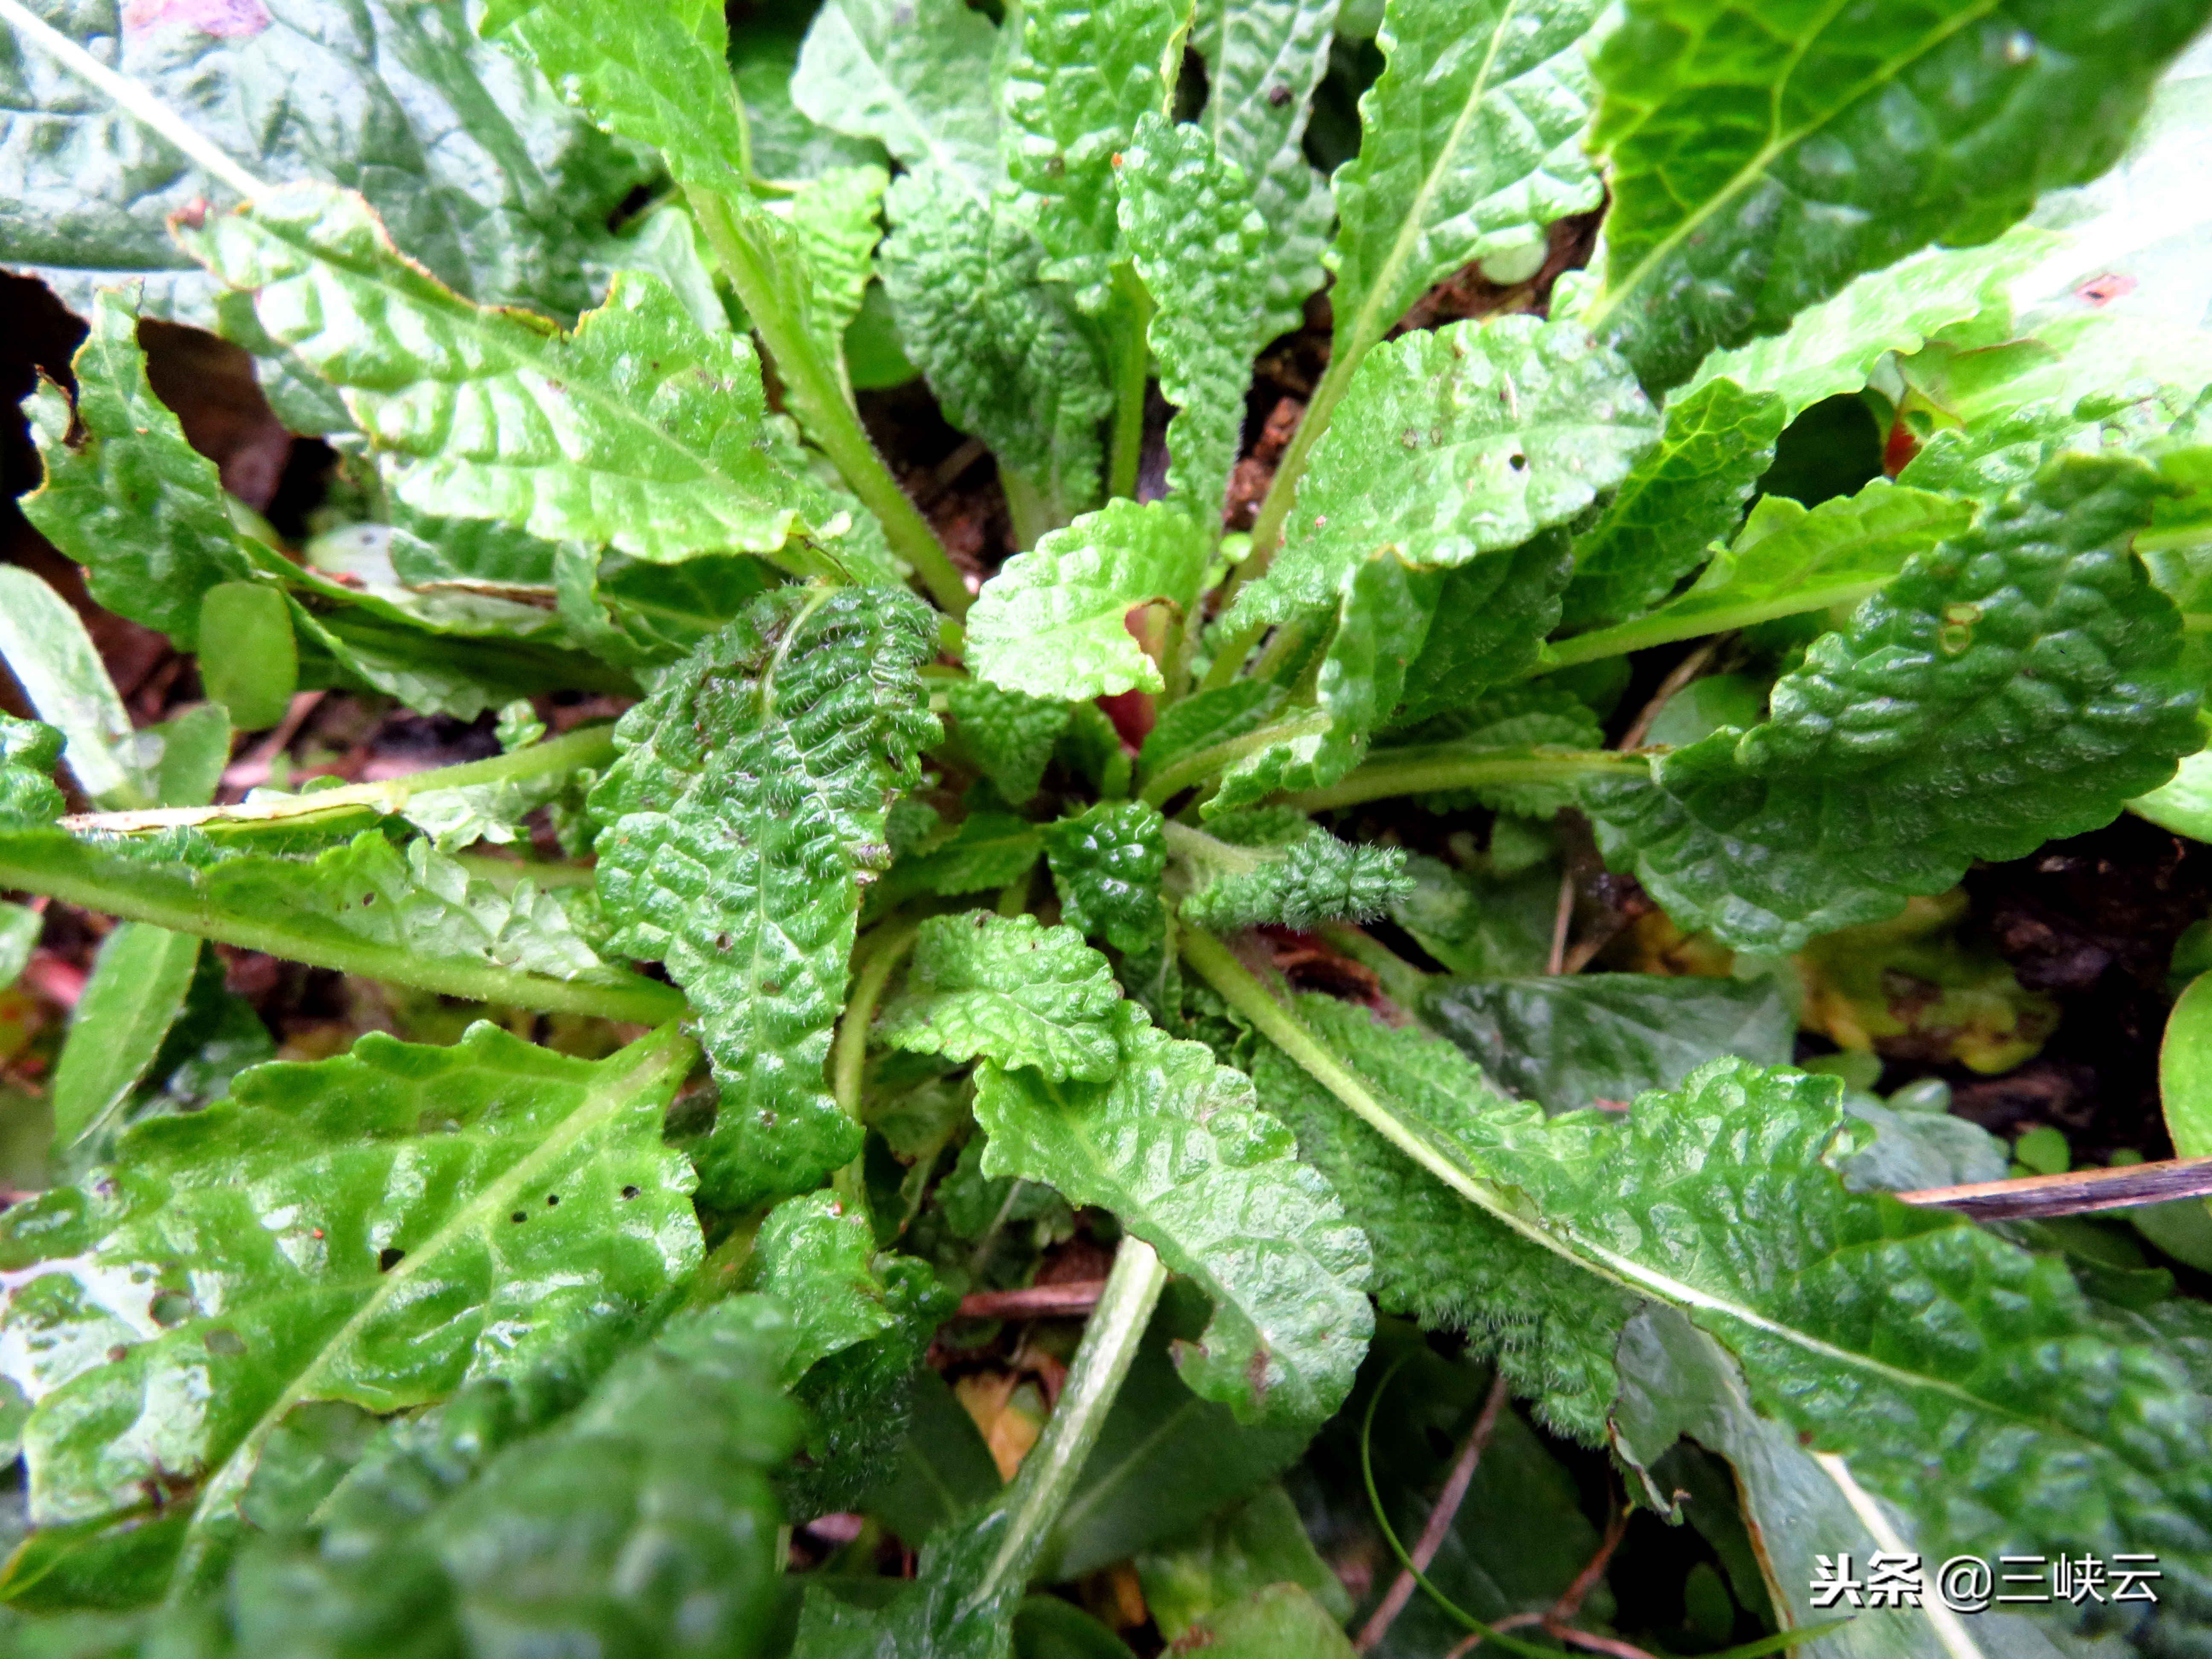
(1471, 143)
(1077, 78)
(787, 144)
(1197, 238)
(1787, 560)
(29, 751)
(915, 76)
(129, 501)
(934, 1616)
(833, 218)
(746, 806)
(1684, 493)
(1025, 994)
(1451, 444)
(1850, 139)
(2019, 682)
(379, 1229)
(500, 1524)
(989, 850)
(1832, 347)
(1107, 864)
(1313, 878)
(1571, 1040)
(1382, 623)
(1436, 1257)
(471, 159)
(1050, 623)
(50, 655)
(1488, 628)
(1259, 1542)
(1262, 64)
(638, 430)
(1175, 1146)
(365, 906)
(1010, 733)
(1006, 352)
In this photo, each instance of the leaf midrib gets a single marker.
(1755, 168)
(605, 1097)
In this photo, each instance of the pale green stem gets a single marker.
(1231, 658)
(589, 745)
(1133, 362)
(849, 1058)
(1275, 506)
(2196, 623)
(1660, 628)
(1030, 510)
(1048, 1473)
(1424, 770)
(817, 394)
(1192, 768)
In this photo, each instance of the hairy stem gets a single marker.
(588, 745)
(1133, 362)
(1048, 1473)
(1031, 510)
(1229, 660)
(1431, 767)
(1275, 506)
(1660, 628)
(819, 396)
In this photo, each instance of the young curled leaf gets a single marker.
(1025, 995)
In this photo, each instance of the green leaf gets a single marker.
(1832, 349)
(502, 1523)
(1107, 863)
(2022, 1372)
(746, 806)
(788, 145)
(249, 662)
(660, 448)
(2185, 1070)
(1050, 623)
(1077, 78)
(1262, 64)
(1198, 240)
(1787, 560)
(20, 927)
(1571, 1041)
(1276, 1618)
(1453, 444)
(130, 499)
(471, 159)
(1006, 352)
(1382, 624)
(29, 751)
(134, 995)
(1901, 751)
(1259, 1542)
(915, 76)
(366, 906)
(1175, 1146)
(54, 660)
(379, 1228)
(1166, 1458)
(1471, 143)
(1025, 994)
(934, 1616)
(944, 1468)
(1490, 620)
(1523, 717)
(1438, 1257)
(834, 218)
(813, 1257)
(195, 750)
(1313, 878)
(1481, 921)
(1684, 493)
(1011, 734)
(1046, 1627)
(989, 851)
(1826, 166)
